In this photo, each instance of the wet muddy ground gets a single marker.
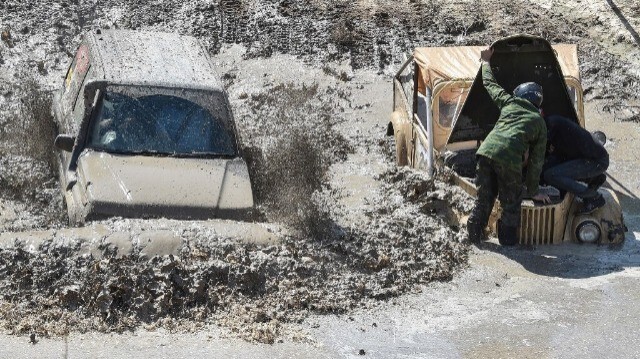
(303, 77)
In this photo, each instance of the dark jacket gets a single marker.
(567, 141)
(519, 128)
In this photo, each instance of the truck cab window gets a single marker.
(450, 101)
(406, 79)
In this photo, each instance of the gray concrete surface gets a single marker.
(151, 345)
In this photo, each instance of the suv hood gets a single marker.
(150, 186)
(516, 59)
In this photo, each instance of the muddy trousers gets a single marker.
(581, 177)
(495, 181)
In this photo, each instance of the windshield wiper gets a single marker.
(208, 154)
(147, 152)
(151, 152)
(182, 154)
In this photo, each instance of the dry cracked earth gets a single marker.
(296, 72)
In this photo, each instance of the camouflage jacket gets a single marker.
(519, 128)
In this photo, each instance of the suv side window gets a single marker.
(82, 103)
(72, 96)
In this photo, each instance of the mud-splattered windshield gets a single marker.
(163, 121)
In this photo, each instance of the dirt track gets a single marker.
(388, 222)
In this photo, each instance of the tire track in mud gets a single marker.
(378, 34)
(607, 35)
(371, 35)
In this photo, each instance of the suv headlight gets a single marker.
(588, 232)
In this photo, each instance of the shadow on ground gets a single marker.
(574, 260)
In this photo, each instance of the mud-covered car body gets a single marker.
(442, 112)
(145, 130)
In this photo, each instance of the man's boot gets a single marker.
(507, 235)
(595, 182)
(475, 232)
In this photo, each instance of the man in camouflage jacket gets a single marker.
(519, 131)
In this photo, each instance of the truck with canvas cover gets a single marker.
(442, 113)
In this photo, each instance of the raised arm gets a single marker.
(499, 96)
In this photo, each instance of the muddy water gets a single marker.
(122, 274)
(390, 229)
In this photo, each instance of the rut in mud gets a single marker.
(409, 235)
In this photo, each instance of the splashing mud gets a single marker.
(29, 194)
(256, 291)
(293, 142)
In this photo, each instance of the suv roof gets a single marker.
(152, 58)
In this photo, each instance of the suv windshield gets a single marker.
(163, 121)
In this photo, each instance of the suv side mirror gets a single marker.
(65, 142)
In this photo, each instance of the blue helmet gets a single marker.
(530, 91)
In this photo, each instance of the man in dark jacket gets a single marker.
(520, 129)
(576, 163)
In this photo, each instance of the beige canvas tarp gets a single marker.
(462, 63)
